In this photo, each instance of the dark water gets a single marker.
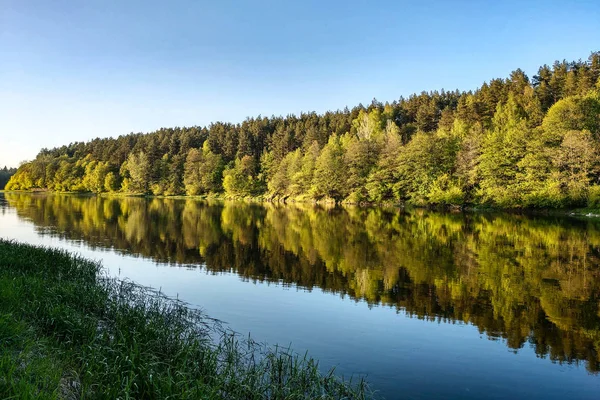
(425, 304)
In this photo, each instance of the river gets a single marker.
(423, 304)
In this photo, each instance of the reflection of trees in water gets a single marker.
(523, 279)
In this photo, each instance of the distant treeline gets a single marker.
(515, 142)
(5, 174)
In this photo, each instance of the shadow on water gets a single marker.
(527, 280)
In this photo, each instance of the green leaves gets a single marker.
(241, 179)
(330, 172)
(495, 145)
(138, 167)
(203, 171)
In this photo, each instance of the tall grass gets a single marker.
(68, 331)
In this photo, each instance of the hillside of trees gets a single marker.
(514, 142)
(5, 174)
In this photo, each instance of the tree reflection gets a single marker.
(528, 280)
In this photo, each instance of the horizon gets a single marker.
(75, 72)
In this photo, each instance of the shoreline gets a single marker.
(70, 331)
(570, 212)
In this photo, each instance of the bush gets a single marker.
(445, 192)
(593, 200)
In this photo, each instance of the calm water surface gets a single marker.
(424, 304)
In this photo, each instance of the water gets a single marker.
(424, 304)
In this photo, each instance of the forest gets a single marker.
(5, 174)
(517, 142)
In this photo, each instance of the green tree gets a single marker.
(160, 182)
(368, 125)
(383, 177)
(203, 171)
(280, 185)
(95, 176)
(111, 183)
(503, 148)
(5, 175)
(241, 180)
(574, 160)
(573, 113)
(192, 178)
(329, 180)
(138, 167)
(301, 180)
(467, 158)
(421, 162)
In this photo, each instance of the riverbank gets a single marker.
(67, 331)
(587, 212)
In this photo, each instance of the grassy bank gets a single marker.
(67, 331)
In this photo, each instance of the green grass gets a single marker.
(68, 332)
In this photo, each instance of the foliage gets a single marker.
(241, 179)
(502, 145)
(203, 171)
(384, 175)
(329, 179)
(594, 197)
(5, 174)
(445, 192)
(503, 148)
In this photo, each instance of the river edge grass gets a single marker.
(68, 331)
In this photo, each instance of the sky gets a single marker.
(76, 70)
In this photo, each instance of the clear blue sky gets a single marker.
(75, 70)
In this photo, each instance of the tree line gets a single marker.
(5, 174)
(513, 142)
